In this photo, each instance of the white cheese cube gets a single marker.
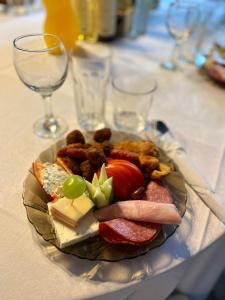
(86, 228)
(70, 211)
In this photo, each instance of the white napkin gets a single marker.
(192, 179)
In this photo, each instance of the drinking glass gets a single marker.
(41, 63)
(182, 18)
(132, 96)
(22, 7)
(90, 70)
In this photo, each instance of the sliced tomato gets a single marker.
(127, 177)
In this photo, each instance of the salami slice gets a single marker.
(122, 231)
(157, 192)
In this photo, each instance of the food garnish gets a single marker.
(74, 186)
(101, 189)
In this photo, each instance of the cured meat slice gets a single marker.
(157, 192)
(122, 231)
(139, 210)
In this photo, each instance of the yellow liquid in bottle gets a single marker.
(86, 15)
(61, 21)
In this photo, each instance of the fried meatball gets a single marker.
(72, 164)
(107, 147)
(87, 170)
(102, 135)
(96, 157)
(63, 151)
(140, 147)
(87, 145)
(75, 136)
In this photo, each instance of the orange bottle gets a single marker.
(60, 20)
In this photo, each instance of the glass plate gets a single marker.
(95, 248)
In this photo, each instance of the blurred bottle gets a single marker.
(86, 15)
(154, 4)
(106, 19)
(60, 20)
(2, 5)
(140, 18)
(124, 17)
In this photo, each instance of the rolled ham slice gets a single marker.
(139, 210)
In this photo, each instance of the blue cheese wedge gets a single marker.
(53, 177)
(87, 227)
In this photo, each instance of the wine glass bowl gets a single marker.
(41, 63)
(181, 21)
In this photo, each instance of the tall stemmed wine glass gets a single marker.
(41, 63)
(181, 21)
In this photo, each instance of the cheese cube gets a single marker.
(87, 227)
(70, 211)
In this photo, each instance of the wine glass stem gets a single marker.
(176, 54)
(50, 123)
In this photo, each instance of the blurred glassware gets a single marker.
(140, 18)
(2, 6)
(154, 4)
(22, 7)
(41, 63)
(132, 97)
(86, 15)
(90, 66)
(106, 19)
(61, 21)
(124, 17)
(211, 31)
(182, 19)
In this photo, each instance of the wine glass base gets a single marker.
(91, 123)
(168, 65)
(50, 131)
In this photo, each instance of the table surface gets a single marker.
(192, 107)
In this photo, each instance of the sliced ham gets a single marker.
(139, 210)
(122, 231)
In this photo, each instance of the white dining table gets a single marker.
(194, 110)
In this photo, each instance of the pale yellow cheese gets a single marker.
(65, 207)
(82, 204)
(70, 211)
(73, 220)
(66, 236)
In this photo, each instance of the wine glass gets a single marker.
(41, 63)
(182, 18)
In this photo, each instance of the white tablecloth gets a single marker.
(193, 109)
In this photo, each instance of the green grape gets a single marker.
(74, 187)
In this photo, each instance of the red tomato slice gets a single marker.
(127, 177)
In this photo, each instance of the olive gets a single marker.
(138, 194)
